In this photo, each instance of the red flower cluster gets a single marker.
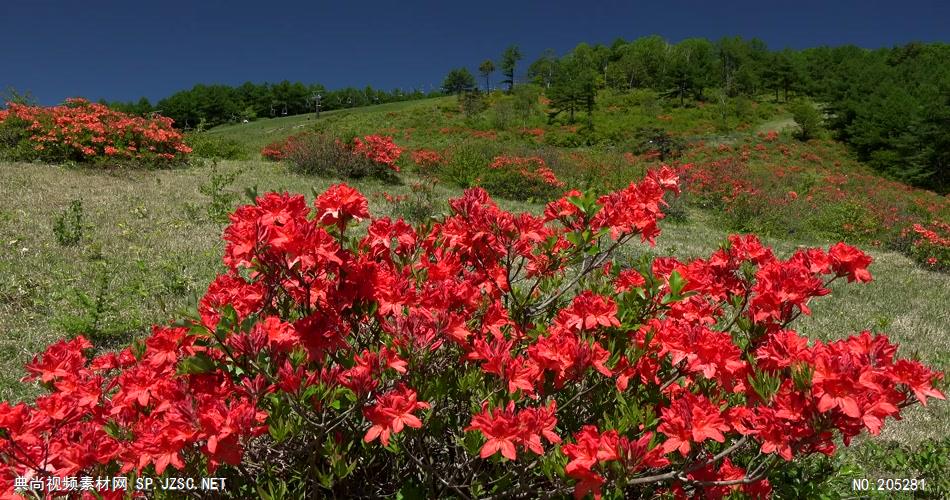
(326, 340)
(770, 136)
(379, 149)
(280, 150)
(503, 429)
(533, 167)
(134, 408)
(931, 236)
(391, 413)
(932, 243)
(592, 449)
(275, 151)
(537, 133)
(427, 158)
(82, 131)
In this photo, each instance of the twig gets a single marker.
(437, 476)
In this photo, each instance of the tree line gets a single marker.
(205, 106)
(891, 105)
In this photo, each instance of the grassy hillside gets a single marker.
(149, 241)
(254, 135)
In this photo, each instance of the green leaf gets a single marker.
(229, 319)
(765, 384)
(278, 429)
(802, 376)
(744, 323)
(199, 363)
(574, 239)
(677, 283)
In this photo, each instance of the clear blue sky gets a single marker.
(131, 48)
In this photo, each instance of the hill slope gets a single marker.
(150, 240)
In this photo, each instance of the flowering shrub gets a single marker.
(82, 131)
(931, 243)
(279, 150)
(520, 178)
(274, 151)
(318, 153)
(537, 133)
(488, 353)
(378, 149)
(427, 159)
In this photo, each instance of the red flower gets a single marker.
(628, 279)
(391, 413)
(918, 378)
(340, 203)
(848, 261)
(62, 359)
(691, 419)
(505, 428)
(589, 311)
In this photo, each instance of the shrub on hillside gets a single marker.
(419, 206)
(318, 153)
(487, 354)
(520, 178)
(84, 132)
(930, 243)
(466, 161)
(472, 104)
(658, 141)
(564, 139)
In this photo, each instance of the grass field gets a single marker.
(150, 244)
(255, 135)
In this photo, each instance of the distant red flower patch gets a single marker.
(87, 132)
(529, 167)
(427, 158)
(381, 150)
(378, 148)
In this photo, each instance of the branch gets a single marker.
(587, 265)
(739, 311)
(584, 392)
(437, 476)
(680, 474)
(676, 376)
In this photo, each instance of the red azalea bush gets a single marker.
(379, 149)
(534, 167)
(321, 154)
(87, 132)
(485, 354)
(427, 159)
(274, 151)
(520, 177)
(931, 243)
